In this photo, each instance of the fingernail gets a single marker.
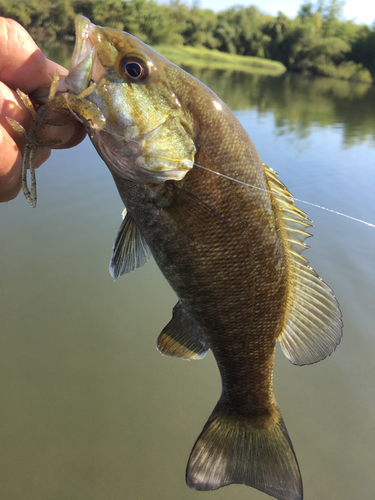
(61, 132)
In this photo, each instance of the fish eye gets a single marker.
(133, 68)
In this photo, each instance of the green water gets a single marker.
(89, 410)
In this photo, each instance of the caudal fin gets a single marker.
(232, 450)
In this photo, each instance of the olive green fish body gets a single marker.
(234, 289)
(232, 293)
(183, 166)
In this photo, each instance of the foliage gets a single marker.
(240, 31)
(363, 49)
(317, 41)
(200, 26)
(42, 18)
(347, 70)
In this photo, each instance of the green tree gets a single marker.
(363, 49)
(42, 18)
(242, 28)
(200, 28)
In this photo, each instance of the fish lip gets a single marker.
(84, 56)
(85, 40)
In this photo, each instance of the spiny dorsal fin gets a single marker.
(312, 326)
(130, 250)
(180, 338)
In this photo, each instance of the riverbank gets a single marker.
(213, 59)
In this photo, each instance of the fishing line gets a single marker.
(292, 198)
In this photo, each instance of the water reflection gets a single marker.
(298, 102)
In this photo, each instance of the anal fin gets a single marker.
(180, 338)
(130, 250)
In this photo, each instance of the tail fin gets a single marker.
(231, 450)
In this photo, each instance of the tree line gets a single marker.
(317, 40)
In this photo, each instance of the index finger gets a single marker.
(22, 64)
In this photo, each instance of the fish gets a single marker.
(228, 237)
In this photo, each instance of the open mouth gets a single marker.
(85, 66)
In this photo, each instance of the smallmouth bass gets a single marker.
(231, 253)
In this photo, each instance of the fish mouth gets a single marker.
(85, 66)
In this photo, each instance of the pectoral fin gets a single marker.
(130, 250)
(312, 326)
(181, 337)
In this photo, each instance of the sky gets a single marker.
(362, 11)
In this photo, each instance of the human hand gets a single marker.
(24, 66)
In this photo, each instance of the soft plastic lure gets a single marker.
(82, 109)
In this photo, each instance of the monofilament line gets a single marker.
(285, 196)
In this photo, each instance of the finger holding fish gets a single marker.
(23, 65)
(85, 112)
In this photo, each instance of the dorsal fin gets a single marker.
(312, 326)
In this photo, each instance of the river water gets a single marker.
(89, 409)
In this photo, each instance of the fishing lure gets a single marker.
(82, 109)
